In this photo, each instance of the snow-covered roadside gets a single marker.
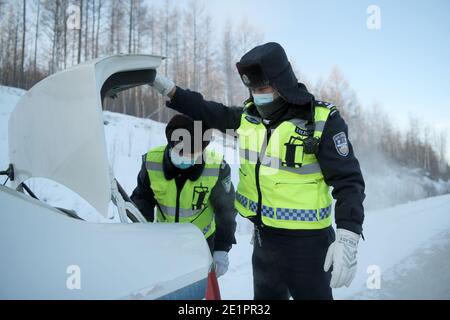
(395, 239)
(8, 99)
(422, 275)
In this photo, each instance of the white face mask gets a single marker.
(261, 99)
(182, 162)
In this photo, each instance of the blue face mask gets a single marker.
(261, 99)
(181, 162)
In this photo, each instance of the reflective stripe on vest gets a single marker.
(207, 172)
(171, 211)
(285, 213)
(276, 163)
(194, 205)
(294, 194)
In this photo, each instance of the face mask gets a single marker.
(262, 98)
(272, 110)
(181, 162)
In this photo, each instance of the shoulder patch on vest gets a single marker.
(325, 104)
(302, 131)
(341, 144)
(333, 112)
(253, 120)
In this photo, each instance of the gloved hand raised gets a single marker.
(163, 85)
(342, 255)
(221, 262)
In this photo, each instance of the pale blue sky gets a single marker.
(404, 66)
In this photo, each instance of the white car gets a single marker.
(56, 132)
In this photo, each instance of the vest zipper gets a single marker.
(177, 205)
(257, 167)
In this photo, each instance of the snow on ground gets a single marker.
(422, 275)
(389, 184)
(410, 242)
(8, 99)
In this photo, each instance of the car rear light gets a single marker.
(212, 290)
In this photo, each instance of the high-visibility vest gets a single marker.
(192, 203)
(285, 187)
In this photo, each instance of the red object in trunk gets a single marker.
(212, 291)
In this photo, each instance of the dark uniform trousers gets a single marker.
(285, 267)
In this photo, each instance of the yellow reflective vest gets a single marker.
(278, 180)
(191, 204)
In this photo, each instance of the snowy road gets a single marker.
(409, 243)
(423, 275)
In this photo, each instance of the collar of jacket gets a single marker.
(171, 172)
(291, 111)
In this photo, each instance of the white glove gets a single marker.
(342, 255)
(163, 85)
(221, 262)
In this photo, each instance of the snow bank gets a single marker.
(8, 99)
(392, 235)
(389, 184)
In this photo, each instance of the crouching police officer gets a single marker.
(292, 149)
(189, 184)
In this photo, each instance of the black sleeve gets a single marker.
(341, 170)
(213, 114)
(222, 201)
(143, 196)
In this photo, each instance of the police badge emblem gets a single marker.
(341, 144)
(245, 79)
